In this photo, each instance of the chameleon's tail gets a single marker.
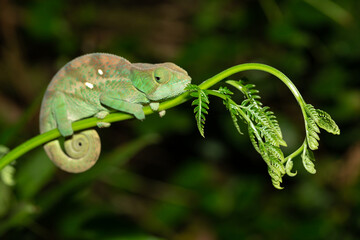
(82, 151)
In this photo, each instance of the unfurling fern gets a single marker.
(314, 120)
(263, 128)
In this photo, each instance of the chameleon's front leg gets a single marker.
(114, 101)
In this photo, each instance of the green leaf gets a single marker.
(326, 122)
(308, 160)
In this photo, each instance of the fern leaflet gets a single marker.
(201, 104)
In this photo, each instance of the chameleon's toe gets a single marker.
(103, 124)
(101, 114)
(140, 115)
(154, 106)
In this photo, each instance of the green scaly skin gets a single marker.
(93, 85)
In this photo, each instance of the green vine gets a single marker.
(263, 128)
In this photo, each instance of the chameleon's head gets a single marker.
(159, 81)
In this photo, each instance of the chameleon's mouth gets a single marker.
(169, 91)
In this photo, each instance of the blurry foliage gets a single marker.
(146, 187)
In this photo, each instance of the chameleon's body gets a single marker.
(92, 85)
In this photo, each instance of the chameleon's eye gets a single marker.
(161, 75)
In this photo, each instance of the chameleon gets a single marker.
(93, 85)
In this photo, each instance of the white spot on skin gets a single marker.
(89, 85)
(162, 113)
(100, 72)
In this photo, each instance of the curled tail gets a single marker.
(82, 151)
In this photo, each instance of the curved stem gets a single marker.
(297, 152)
(256, 66)
(115, 117)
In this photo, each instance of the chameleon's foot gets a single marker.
(101, 114)
(154, 106)
(65, 132)
(162, 113)
(103, 124)
(140, 115)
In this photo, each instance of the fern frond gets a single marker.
(308, 160)
(201, 106)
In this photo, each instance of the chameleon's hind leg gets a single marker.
(82, 150)
(114, 101)
(61, 115)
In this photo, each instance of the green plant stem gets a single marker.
(115, 117)
(297, 152)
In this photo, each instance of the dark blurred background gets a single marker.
(159, 179)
